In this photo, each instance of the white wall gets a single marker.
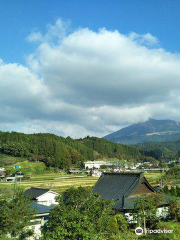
(47, 198)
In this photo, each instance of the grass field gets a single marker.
(59, 185)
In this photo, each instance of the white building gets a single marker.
(42, 196)
(96, 173)
(97, 164)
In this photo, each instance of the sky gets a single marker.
(78, 68)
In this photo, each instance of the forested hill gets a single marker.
(169, 149)
(61, 152)
(106, 148)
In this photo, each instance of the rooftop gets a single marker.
(35, 192)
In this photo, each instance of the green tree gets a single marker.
(173, 191)
(166, 189)
(174, 209)
(145, 210)
(80, 214)
(15, 215)
(178, 191)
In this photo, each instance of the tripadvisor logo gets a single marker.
(138, 231)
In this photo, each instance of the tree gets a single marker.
(173, 191)
(166, 189)
(174, 209)
(178, 191)
(80, 214)
(145, 210)
(15, 215)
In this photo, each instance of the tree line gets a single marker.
(61, 152)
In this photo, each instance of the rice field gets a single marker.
(58, 185)
(60, 182)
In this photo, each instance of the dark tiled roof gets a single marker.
(34, 193)
(39, 208)
(117, 187)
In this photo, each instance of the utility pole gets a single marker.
(15, 185)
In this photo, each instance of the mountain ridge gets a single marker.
(149, 131)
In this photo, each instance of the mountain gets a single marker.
(150, 131)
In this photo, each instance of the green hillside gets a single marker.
(109, 149)
(61, 152)
(169, 149)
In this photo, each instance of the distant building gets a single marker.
(2, 174)
(96, 173)
(98, 164)
(74, 171)
(10, 179)
(18, 174)
(42, 196)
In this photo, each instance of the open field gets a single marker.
(60, 182)
(152, 177)
(54, 184)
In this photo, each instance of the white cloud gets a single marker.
(144, 39)
(57, 31)
(84, 82)
(35, 37)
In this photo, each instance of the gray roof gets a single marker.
(40, 209)
(34, 193)
(118, 187)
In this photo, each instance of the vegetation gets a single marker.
(160, 150)
(174, 209)
(81, 215)
(172, 174)
(16, 214)
(105, 148)
(145, 211)
(59, 152)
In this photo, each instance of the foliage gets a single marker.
(160, 150)
(146, 208)
(6, 193)
(80, 214)
(15, 215)
(174, 209)
(59, 152)
(109, 149)
(121, 222)
(53, 150)
(173, 191)
(178, 191)
(172, 174)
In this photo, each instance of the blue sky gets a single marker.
(19, 17)
(78, 68)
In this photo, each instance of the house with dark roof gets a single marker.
(123, 189)
(40, 218)
(42, 196)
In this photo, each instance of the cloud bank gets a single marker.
(81, 82)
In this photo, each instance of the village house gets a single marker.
(42, 196)
(40, 218)
(96, 173)
(123, 189)
(98, 164)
